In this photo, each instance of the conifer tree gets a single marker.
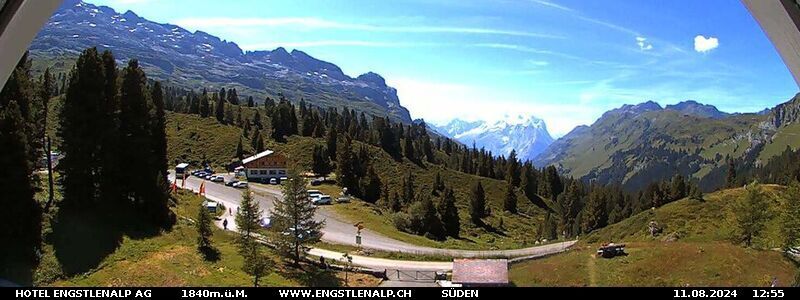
(21, 231)
(510, 199)
(331, 142)
(79, 122)
(750, 214)
(293, 216)
(449, 213)
(477, 204)
(203, 227)
(205, 110)
(219, 107)
(345, 167)
(790, 216)
(371, 187)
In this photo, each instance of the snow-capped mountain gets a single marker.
(526, 134)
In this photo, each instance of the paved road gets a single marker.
(341, 232)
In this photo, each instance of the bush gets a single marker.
(401, 221)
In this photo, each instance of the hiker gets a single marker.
(225, 224)
(322, 262)
(230, 211)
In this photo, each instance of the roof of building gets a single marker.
(257, 156)
(480, 271)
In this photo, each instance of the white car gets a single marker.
(217, 179)
(265, 223)
(312, 194)
(322, 199)
(240, 185)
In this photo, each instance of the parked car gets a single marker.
(316, 182)
(273, 181)
(322, 199)
(231, 183)
(265, 223)
(313, 194)
(343, 199)
(217, 179)
(240, 185)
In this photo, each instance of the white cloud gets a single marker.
(317, 23)
(553, 5)
(643, 44)
(704, 44)
(333, 43)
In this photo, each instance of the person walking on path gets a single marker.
(225, 224)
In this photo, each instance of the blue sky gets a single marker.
(565, 61)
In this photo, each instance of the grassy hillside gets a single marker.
(694, 248)
(659, 264)
(637, 148)
(193, 139)
(694, 221)
(79, 252)
(517, 230)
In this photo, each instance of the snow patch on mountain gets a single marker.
(527, 135)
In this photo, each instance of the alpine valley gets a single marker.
(635, 145)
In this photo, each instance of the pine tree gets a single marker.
(790, 216)
(510, 200)
(432, 225)
(594, 213)
(258, 142)
(293, 217)
(240, 149)
(21, 231)
(247, 222)
(449, 213)
(257, 264)
(371, 188)
(512, 170)
(395, 204)
(330, 141)
(158, 131)
(677, 188)
(205, 110)
(320, 163)
(233, 98)
(247, 218)
(204, 232)
(250, 102)
(730, 180)
(79, 122)
(750, 214)
(345, 167)
(219, 107)
(477, 204)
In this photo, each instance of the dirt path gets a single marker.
(591, 267)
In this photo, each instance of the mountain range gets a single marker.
(197, 59)
(632, 145)
(526, 134)
(637, 144)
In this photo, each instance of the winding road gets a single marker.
(338, 231)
